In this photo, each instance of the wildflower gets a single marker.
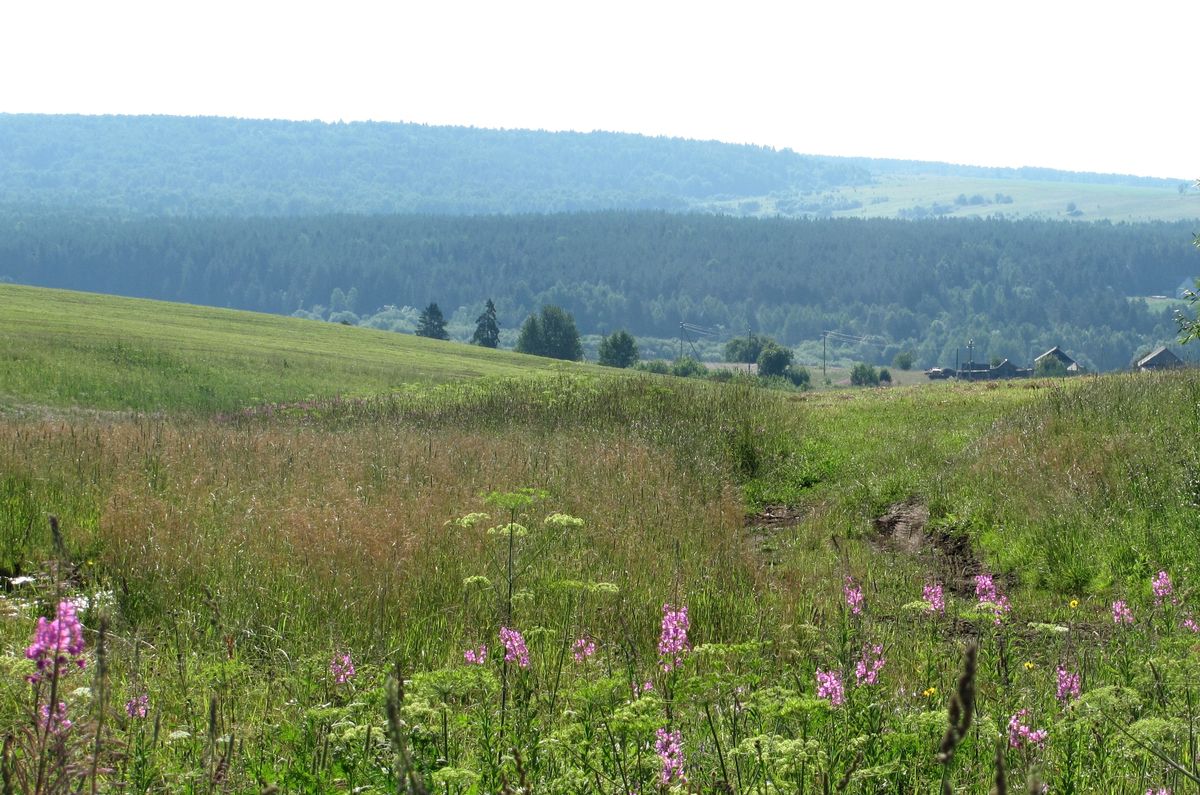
(514, 647)
(56, 642)
(673, 640)
(1020, 734)
(932, 593)
(55, 722)
(584, 648)
(1190, 624)
(670, 753)
(1030, 665)
(138, 706)
(929, 692)
(645, 687)
(1159, 791)
(854, 596)
(866, 671)
(1074, 603)
(1161, 585)
(476, 656)
(988, 594)
(829, 686)
(341, 667)
(1121, 613)
(1068, 685)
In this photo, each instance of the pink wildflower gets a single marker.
(1121, 613)
(668, 746)
(933, 594)
(1020, 734)
(673, 639)
(1161, 585)
(1189, 623)
(584, 648)
(1159, 791)
(1068, 685)
(854, 596)
(56, 642)
(138, 706)
(56, 722)
(514, 647)
(476, 656)
(987, 593)
(829, 686)
(866, 672)
(341, 667)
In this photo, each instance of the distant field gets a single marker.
(63, 349)
(901, 196)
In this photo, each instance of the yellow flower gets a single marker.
(1074, 603)
(1029, 666)
(930, 692)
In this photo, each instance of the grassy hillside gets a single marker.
(61, 348)
(288, 596)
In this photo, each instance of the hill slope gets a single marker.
(160, 165)
(60, 348)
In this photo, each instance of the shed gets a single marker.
(1160, 358)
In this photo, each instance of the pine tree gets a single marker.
(487, 330)
(552, 333)
(431, 323)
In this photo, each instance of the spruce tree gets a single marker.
(431, 323)
(487, 330)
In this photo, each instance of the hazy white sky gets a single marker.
(1089, 86)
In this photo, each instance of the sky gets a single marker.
(1082, 86)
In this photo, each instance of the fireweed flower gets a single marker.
(584, 648)
(138, 706)
(1189, 623)
(854, 596)
(341, 667)
(987, 593)
(866, 671)
(933, 594)
(1161, 585)
(514, 647)
(55, 722)
(829, 686)
(1019, 734)
(1121, 613)
(476, 656)
(668, 746)
(1068, 685)
(673, 639)
(1159, 791)
(57, 643)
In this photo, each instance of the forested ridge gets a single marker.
(924, 286)
(196, 166)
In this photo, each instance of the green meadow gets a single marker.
(394, 565)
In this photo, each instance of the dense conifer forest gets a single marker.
(924, 286)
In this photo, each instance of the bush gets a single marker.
(687, 367)
(864, 375)
(799, 376)
(903, 360)
(618, 349)
(774, 360)
(654, 366)
(884, 376)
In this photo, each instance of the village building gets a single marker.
(1058, 353)
(1160, 358)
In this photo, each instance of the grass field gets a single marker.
(896, 196)
(289, 594)
(60, 348)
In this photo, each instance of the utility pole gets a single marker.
(824, 334)
(971, 357)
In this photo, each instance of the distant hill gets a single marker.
(203, 166)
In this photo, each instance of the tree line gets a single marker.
(925, 287)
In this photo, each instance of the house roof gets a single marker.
(1057, 353)
(1159, 357)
